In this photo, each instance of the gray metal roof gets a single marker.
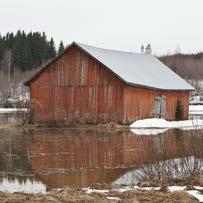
(138, 69)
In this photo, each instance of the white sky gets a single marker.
(115, 24)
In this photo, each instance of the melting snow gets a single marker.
(176, 188)
(162, 123)
(11, 110)
(89, 191)
(196, 194)
(113, 198)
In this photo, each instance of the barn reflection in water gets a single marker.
(61, 157)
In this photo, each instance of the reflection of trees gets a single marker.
(14, 149)
(189, 149)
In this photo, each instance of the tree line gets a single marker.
(188, 66)
(25, 51)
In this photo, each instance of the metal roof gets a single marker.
(138, 69)
(134, 69)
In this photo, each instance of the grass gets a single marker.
(79, 195)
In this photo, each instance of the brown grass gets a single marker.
(71, 195)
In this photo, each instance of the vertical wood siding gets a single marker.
(77, 89)
(139, 103)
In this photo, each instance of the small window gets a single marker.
(160, 107)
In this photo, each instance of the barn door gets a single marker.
(160, 107)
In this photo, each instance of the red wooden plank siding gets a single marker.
(78, 89)
(139, 103)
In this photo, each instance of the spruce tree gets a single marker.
(61, 48)
(28, 51)
(179, 111)
(52, 50)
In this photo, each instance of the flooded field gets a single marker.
(36, 160)
(12, 117)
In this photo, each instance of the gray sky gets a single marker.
(115, 24)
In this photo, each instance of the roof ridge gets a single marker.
(127, 52)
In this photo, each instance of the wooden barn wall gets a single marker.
(140, 103)
(76, 89)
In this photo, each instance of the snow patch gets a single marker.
(89, 191)
(162, 123)
(11, 110)
(176, 188)
(196, 194)
(113, 198)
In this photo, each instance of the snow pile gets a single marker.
(162, 123)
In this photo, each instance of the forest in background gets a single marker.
(22, 54)
(188, 66)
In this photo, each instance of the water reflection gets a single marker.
(13, 118)
(58, 157)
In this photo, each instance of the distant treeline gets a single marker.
(188, 66)
(23, 51)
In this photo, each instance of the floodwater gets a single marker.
(35, 160)
(12, 118)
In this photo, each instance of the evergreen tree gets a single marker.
(61, 48)
(179, 111)
(51, 49)
(28, 51)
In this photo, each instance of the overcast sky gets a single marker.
(115, 24)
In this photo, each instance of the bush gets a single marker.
(179, 111)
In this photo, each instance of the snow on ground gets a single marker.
(11, 110)
(89, 191)
(113, 198)
(196, 109)
(176, 188)
(195, 193)
(162, 123)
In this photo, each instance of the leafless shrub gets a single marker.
(186, 165)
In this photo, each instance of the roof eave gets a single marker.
(156, 88)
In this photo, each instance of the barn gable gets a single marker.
(77, 88)
(82, 86)
(134, 69)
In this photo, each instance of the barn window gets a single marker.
(160, 107)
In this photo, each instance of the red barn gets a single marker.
(91, 85)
